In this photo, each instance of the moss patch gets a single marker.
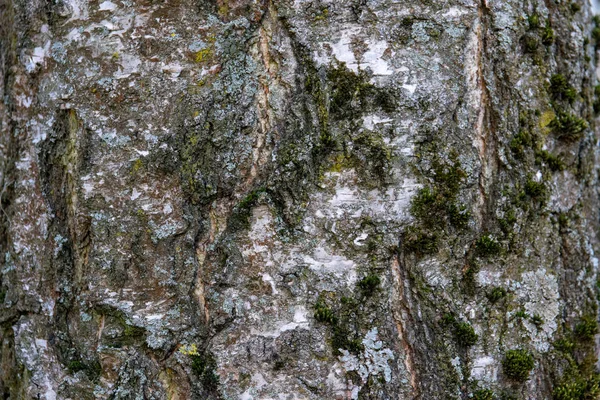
(487, 246)
(568, 127)
(517, 364)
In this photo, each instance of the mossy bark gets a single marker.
(256, 199)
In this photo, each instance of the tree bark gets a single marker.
(298, 199)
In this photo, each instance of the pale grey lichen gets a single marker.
(372, 361)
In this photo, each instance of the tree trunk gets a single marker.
(298, 199)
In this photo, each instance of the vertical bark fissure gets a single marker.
(403, 318)
(484, 134)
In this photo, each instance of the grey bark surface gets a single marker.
(298, 199)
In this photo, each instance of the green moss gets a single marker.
(534, 21)
(517, 364)
(425, 202)
(569, 391)
(132, 332)
(369, 284)
(448, 319)
(458, 215)
(204, 367)
(531, 44)
(574, 386)
(351, 94)
(509, 220)
(596, 34)
(92, 369)
(537, 320)
(240, 218)
(342, 322)
(415, 240)
(371, 157)
(496, 294)
(597, 98)
(553, 162)
(521, 142)
(564, 345)
(568, 127)
(535, 190)
(488, 246)
(469, 281)
(437, 206)
(587, 328)
(575, 7)
(324, 314)
(548, 35)
(579, 378)
(483, 394)
(75, 366)
(465, 334)
(560, 88)
(521, 314)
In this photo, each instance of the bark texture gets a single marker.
(298, 199)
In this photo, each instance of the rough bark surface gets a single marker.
(298, 199)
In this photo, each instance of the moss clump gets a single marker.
(579, 380)
(352, 94)
(92, 369)
(517, 364)
(521, 314)
(597, 98)
(534, 21)
(509, 220)
(531, 44)
(371, 157)
(537, 320)
(564, 345)
(575, 7)
(587, 328)
(465, 334)
(75, 366)
(468, 280)
(553, 162)
(560, 88)
(596, 34)
(240, 218)
(487, 246)
(418, 241)
(204, 366)
(577, 390)
(548, 35)
(535, 190)
(369, 284)
(568, 127)
(496, 294)
(483, 394)
(458, 215)
(437, 205)
(343, 323)
(521, 142)
(324, 314)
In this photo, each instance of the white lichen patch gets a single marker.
(37, 58)
(349, 201)
(538, 290)
(485, 369)
(340, 51)
(107, 6)
(373, 361)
